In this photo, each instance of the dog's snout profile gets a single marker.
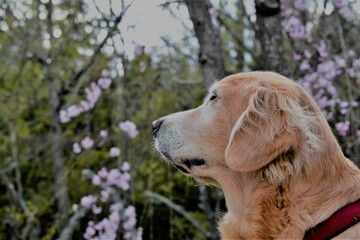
(156, 126)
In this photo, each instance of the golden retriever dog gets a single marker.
(261, 139)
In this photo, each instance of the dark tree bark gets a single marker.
(210, 57)
(270, 35)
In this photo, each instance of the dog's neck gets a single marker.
(265, 197)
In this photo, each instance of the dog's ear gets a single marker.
(266, 129)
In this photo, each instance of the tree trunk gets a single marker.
(210, 56)
(56, 133)
(56, 139)
(270, 35)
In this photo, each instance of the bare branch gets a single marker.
(181, 211)
(67, 232)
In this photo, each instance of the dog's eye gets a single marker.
(213, 97)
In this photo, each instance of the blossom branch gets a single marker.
(98, 49)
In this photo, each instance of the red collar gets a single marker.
(341, 220)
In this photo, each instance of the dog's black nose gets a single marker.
(156, 126)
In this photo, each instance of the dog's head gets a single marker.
(246, 121)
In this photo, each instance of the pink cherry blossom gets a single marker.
(103, 173)
(356, 63)
(96, 180)
(93, 94)
(108, 227)
(103, 133)
(113, 176)
(105, 73)
(342, 128)
(123, 184)
(345, 12)
(321, 48)
(95, 209)
(328, 69)
(307, 54)
(127, 235)
(296, 56)
(340, 62)
(64, 116)
(114, 217)
(294, 27)
(89, 232)
(130, 128)
(114, 152)
(116, 178)
(340, 3)
(87, 143)
(351, 72)
(126, 176)
(88, 200)
(76, 148)
(104, 195)
(104, 83)
(304, 65)
(131, 218)
(344, 107)
(85, 105)
(74, 111)
(301, 5)
(125, 166)
(129, 211)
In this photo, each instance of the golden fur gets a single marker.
(268, 147)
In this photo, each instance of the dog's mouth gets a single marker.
(179, 163)
(189, 163)
(194, 162)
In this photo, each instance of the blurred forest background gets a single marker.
(78, 94)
